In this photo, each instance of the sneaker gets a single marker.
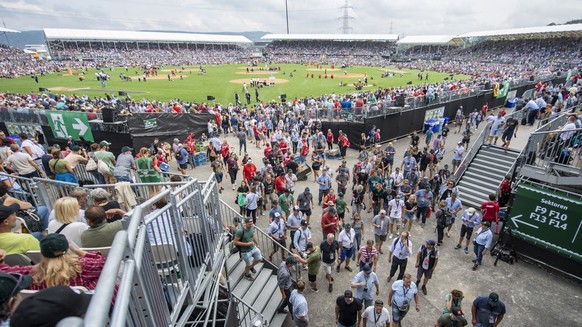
(422, 225)
(282, 310)
(337, 268)
(389, 279)
(330, 288)
(423, 288)
(349, 269)
(249, 277)
(233, 187)
(458, 246)
(466, 250)
(475, 267)
(391, 236)
(220, 191)
(253, 270)
(314, 290)
(333, 280)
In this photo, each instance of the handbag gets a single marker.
(91, 165)
(32, 220)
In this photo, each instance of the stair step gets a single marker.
(278, 320)
(489, 163)
(257, 286)
(237, 273)
(488, 167)
(232, 261)
(472, 187)
(267, 291)
(483, 176)
(272, 304)
(499, 150)
(471, 180)
(243, 285)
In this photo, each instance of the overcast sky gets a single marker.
(407, 17)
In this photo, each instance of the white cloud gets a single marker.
(408, 17)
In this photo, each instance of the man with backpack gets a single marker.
(182, 158)
(426, 262)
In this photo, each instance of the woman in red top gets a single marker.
(224, 151)
(330, 197)
(61, 265)
(329, 139)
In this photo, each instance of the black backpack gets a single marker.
(179, 155)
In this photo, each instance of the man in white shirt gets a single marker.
(346, 241)
(277, 231)
(400, 251)
(302, 237)
(397, 179)
(299, 305)
(376, 316)
(395, 207)
(458, 155)
(23, 164)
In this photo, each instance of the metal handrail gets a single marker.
(266, 242)
(248, 309)
(471, 154)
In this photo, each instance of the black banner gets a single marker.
(144, 127)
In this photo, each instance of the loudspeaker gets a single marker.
(107, 114)
(122, 93)
(42, 89)
(210, 98)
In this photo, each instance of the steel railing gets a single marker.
(471, 153)
(247, 315)
(24, 189)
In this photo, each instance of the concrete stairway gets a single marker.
(262, 294)
(484, 174)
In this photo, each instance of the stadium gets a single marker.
(179, 108)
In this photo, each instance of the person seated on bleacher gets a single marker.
(100, 232)
(65, 222)
(13, 242)
(10, 287)
(41, 211)
(101, 198)
(61, 264)
(81, 195)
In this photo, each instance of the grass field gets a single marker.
(221, 82)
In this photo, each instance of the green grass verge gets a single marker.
(216, 82)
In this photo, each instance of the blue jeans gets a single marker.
(100, 178)
(43, 213)
(421, 213)
(123, 179)
(357, 247)
(397, 315)
(478, 249)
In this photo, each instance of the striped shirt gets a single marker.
(367, 255)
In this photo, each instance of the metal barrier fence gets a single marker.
(247, 316)
(172, 262)
(470, 155)
(549, 149)
(23, 189)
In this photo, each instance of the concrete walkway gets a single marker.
(533, 297)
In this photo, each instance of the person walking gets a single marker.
(487, 311)
(346, 239)
(376, 316)
(380, 223)
(398, 255)
(329, 254)
(401, 296)
(364, 282)
(285, 283)
(368, 255)
(246, 239)
(311, 258)
(299, 305)
(426, 262)
(470, 219)
(481, 243)
(348, 310)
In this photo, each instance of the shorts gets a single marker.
(327, 267)
(397, 315)
(345, 252)
(466, 230)
(456, 162)
(183, 166)
(391, 162)
(495, 132)
(426, 272)
(217, 175)
(507, 136)
(312, 278)
(306, 212)
(341, 215)
(394, 220)
(272, 197)
(408, 215)
(251, 256)
(378, 238)
(281, 242)
(257, 138)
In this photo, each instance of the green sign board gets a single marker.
(549, 218)
(150, 123)
(67, 123)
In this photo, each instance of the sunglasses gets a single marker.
(15, 289)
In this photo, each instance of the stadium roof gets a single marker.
(109, 35)
(430, 40)
(332, 37)
(7, 30)
(574, 30)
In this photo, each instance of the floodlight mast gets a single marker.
(287, 15)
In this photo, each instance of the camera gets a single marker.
(303, 255)
(365, 290)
